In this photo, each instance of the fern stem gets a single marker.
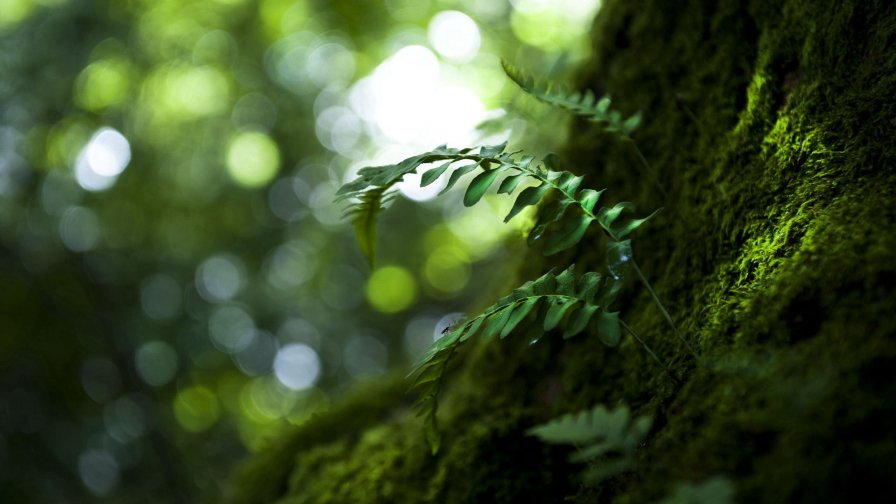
(656, 301)
(649, 351)
(649, 169)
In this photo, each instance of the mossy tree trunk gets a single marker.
(771, 126)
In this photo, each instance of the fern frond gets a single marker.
(597, 432)
(369, 190)
(560, 228)
(584, 104)
(564, 300)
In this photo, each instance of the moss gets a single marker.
(266, 476)
(771, 126)
(378, 467)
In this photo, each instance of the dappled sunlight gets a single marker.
(552, 25)
(102, 160)
(253, 159)
(391, 289)
(297, 366)
(454, 35)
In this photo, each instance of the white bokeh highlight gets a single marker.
(411, 103)
(455, 35)
(102, 160)
(297, 366)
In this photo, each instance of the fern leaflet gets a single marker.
(598, 432)
(565, 302)
(364, 216)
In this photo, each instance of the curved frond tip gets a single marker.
(583, 104)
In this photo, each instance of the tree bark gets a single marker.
(769, 127)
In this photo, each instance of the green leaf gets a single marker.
(457, 174)
(364, 219)
(610, 291)
(433, 436)
(624, 229)
(570, 184)
(528, 196)
(544, 284)
(551, 161)
(608, 328)
(510, 183)
(491, 151)
(432, 175)
(566, 282)
(606, 216)
(593, 451)
(547, 215)
(573, 428)
(579, 320)
(497, 322)
(478, 186)
(638, 431)
(519, 313)
(568, 235)
(631, 124)
(589, 285)
(588, 198)
(525, 161)
(556, 311)
(449, 339)
(470, 330)
(427, 374)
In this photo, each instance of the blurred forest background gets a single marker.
(176, 284)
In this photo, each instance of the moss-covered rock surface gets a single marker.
(771, 127)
